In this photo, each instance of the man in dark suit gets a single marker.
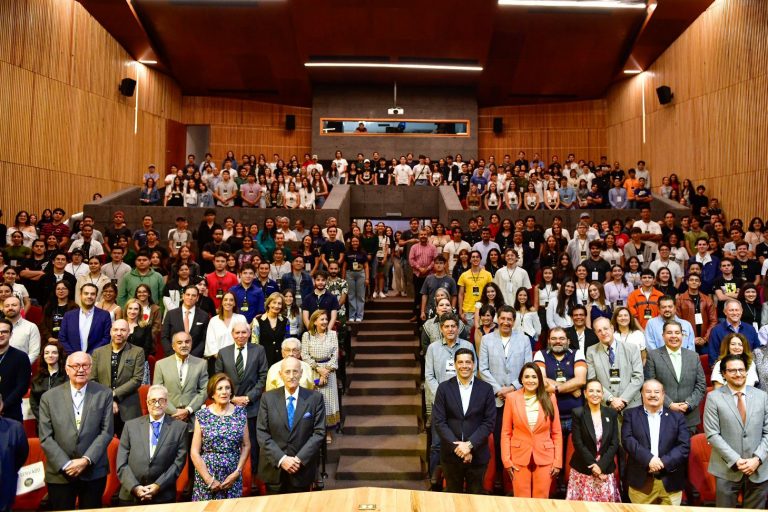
(679, 370)
(75, 431)
(464, 413)
(14, 449)
(120, 367)
(152, 454)
(580, 337)
(15, 372)
(187, 318)
(290, 432)
(87, 319)
(246, 364)
(657, 443)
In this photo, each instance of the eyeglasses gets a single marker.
(6, 332)
(78, 367)
(156, 401)
(736, 371)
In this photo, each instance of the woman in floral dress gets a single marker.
(320, 350)
(220, 444)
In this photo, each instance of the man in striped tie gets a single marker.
(246, 364)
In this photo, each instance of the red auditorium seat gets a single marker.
(143, 392)
(151, 360)
(698, 462)
(704, 358)
(31, 500)
(113, 483)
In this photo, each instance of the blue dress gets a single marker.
(220, 450)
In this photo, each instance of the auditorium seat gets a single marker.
(701, 480)
(183, 480)
(32, 500)
(700, 426)
(113, 483)
(152, 360)
(143, 392)
(704, 358)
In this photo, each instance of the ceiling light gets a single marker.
(632, 71)
(380, 65)
(144, 61)
(582, 4)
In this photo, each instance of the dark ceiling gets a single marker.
(257, 49)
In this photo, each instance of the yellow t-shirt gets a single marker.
(473, 287)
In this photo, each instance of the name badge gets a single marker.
(450, 369)
(308, 266)
(560, 376)
(355, 266)
(178, 245)
(532, 244)
(698, 319)
(647, 313)
(510, 286)
(244, 308)
(640, 258)
(615, 376)
(220, 294)
(583, 255)
(595, 276)
(475, 290)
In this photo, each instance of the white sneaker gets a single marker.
(403, 294)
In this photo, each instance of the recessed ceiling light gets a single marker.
(145, 61)
(382, 65)
(632, 71)
(582, 4)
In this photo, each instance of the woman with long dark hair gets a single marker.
(559, 309)
(531, 437)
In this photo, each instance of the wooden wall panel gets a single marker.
(714, 131)
(249, 127)
(67, 130)
(549, 129)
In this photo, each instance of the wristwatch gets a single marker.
(469, 443)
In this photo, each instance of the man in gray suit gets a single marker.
(617, 366)
(185, 377)
(75, 430)
(736, 425)
(679, 370)
(152, 454)
(246, 364)
(120, 367)
(502, 355)
(290, 431)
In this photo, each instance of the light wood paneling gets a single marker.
(249, 127)
(67, 132)
(549, 129)
(714, 131)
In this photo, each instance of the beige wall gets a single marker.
(549, 129)
(715, 131)
(66, 131)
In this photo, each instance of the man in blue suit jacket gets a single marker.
(464, 415)
(14, 449)
(87, 328)
(657, 443)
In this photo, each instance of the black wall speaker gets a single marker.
(498, 125)
(665, 94)
(290, 122)
(127, 86)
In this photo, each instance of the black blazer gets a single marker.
(303, 441)
(585, 442)
(174, 322)
(254, 374)
(452, 424)
(590, 338)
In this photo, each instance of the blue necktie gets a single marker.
(291, 409)
(611, 356)
(155, 432)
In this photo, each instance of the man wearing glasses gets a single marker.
(736, 425)
(152, 454)
(76, 428)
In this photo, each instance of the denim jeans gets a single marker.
(356, 297)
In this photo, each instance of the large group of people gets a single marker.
(537, 336)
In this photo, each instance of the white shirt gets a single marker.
(85, 319)
(77, 271)
(648, 227)
(182, 368)
(153, 448)
(219, 335)
(465, 392)
(289, 235)
(26, 337)
(654, 427)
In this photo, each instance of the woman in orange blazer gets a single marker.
(531, 439)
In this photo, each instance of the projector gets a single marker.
(396, 111)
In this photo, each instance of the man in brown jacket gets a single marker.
(699, 309)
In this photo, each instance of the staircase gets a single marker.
(382, 445)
